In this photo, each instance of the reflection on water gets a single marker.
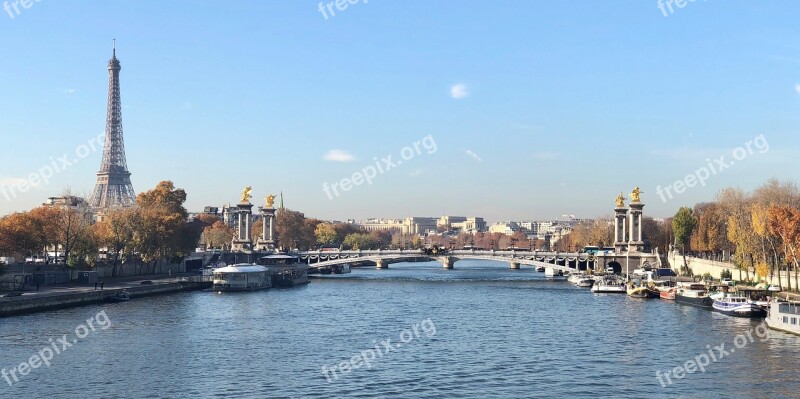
(499, 333)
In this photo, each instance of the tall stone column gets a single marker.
(620, 230)
(243, 239)
(636, 244)
(267, 240)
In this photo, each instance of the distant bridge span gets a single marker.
(562, 261)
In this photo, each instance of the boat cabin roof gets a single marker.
(241, 268)
(279, 256)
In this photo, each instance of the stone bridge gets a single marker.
(558, 261)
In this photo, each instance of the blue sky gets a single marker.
(537, 108)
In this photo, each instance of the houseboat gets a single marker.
(784, 316)
(609, 284)
(694, 294)
(241, 277)
(285, 270)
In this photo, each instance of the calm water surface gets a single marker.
(491, 332)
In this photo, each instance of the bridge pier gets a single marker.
(514, 265)
(381, 264)
(447, 262)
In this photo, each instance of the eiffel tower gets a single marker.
(113, 188)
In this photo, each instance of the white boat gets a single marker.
(738, 306)
(241, 277)
(575, 277)
(783, 316)
(609, 284)
(552, 272)
(585, 282)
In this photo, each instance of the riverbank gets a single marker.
(72, 296)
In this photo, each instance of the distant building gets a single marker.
(462, 223)
(69, 201)
(507, 228)
(410, 225)
(554, 228)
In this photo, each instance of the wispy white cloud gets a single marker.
(473, 155)
(68, 91)
(186, 106)
(415, 173)
(459, 91)
(338, 156)
(797, 88)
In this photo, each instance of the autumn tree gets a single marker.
(655, 234)
(257, 228)
(735, 206)
(217, 235)
(161, 224)
(343, 229)
(381, 238)
(710, 235)
(772, 193)
(598, 232)
(115, 232)
(325, 234)
(22, 232)
(292, 231)
(784, 221)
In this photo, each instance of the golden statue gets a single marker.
(270, 199)
(635, 194)
(620, 201)
(246, 195)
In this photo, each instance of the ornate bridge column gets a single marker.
(381, 264)
(635, 242)
(243, 237)
(620, 219)
(514, 265)
(267, 239)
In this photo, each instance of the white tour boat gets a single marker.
(784, 316)
(242, 277)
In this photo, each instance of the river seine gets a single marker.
(412, 331)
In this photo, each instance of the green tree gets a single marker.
(682, 225)
(359, 241)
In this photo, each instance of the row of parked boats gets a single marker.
(750, 302)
